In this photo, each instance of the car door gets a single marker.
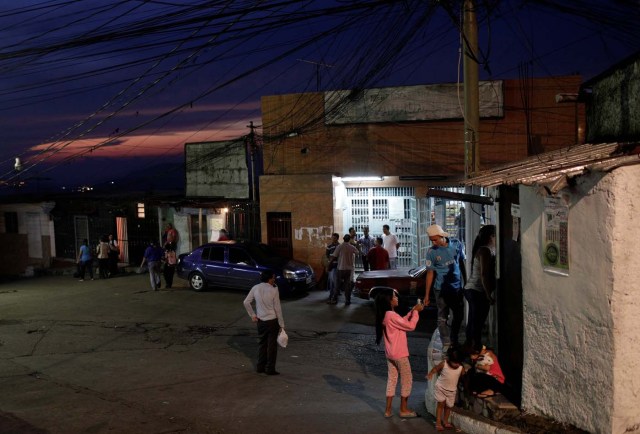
(242, 269)
(213, 265)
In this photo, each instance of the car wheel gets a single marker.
(196, 281)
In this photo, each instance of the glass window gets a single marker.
(140, 210)
(239, 256)
(214, 253)
(217, 254)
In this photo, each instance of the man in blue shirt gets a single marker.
(447, 274)
(153, 257)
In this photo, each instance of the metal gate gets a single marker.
(377, 206)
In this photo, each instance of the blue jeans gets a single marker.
(154, 274)
(449, 301)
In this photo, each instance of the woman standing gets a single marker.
(170, 261)
(394, 329)
(479, 288)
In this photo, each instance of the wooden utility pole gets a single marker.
(251, 143)
(471, 92)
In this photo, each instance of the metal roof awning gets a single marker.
(554, 169)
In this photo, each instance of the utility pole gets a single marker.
(251, 143)
(471, 116)
(471, 92)
(318, 65)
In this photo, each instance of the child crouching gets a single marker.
(450, 371)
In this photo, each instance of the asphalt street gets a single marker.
(112, 356)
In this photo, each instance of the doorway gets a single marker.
(510, 313)
(279, 235)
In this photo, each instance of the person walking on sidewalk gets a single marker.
(268, 316)
(84, 260)
(345, 255)
(446, 273)
(394, 328)
(102, 250)
(153, 258)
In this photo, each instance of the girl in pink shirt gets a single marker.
(394, 329)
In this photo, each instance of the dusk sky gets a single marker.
(93, 90)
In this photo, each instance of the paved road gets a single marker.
(110, 356)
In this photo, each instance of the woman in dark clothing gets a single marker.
(170, 261)
(479, 288)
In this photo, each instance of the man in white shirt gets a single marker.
(391, 244)
(268, 315)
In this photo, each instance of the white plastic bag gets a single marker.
(434, 357)
(283, 339)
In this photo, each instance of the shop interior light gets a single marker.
(362, 178)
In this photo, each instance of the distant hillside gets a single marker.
(159, 177)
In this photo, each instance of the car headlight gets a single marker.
(288, 274)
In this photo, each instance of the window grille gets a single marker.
(359, 214)
(380, 209)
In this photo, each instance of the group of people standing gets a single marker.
(379, 253)
(447, 277)
(107, 252)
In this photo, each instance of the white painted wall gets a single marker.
(581, 332)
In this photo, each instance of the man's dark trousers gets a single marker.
(267, 345)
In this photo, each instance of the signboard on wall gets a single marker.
(555, 233)
(217, 169)
(409, 103)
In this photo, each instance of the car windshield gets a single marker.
(416, 272)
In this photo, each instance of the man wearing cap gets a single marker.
(446, 274)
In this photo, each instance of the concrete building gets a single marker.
(338, 159)
(27, 233)
(572, 216)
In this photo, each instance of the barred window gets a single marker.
(359, 214)
(380, 210)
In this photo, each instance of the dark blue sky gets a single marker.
(92, 90)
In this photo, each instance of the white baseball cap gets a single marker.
(436, 230)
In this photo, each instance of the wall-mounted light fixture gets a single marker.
(362, 178)
(305, 150)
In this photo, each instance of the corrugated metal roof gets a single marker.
(554, 169)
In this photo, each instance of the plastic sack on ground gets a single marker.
(434, 357)
(283, 339)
